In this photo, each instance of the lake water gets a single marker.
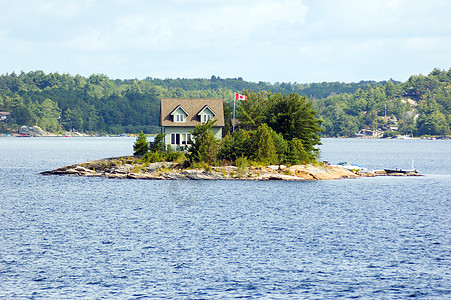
(74, 237)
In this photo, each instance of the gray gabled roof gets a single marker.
(192, 106)
(172, 113)
(207, 107)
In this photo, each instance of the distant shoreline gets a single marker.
(152, 134)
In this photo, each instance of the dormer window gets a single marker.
(179, 115)
(205, 118)
(179, 118)
(206, 114)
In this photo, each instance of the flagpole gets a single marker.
(233, 120)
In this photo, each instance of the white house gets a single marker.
(179, 116)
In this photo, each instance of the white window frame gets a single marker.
(179, 118)
(205, 118)
(184, 139)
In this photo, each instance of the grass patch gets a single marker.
(137, 169)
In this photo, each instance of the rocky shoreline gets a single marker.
(130, 167)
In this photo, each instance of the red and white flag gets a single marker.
(240, 97)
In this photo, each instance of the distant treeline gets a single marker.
(98, 104)
(419, 106)
(311, 90)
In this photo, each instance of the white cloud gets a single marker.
(58, 9)
(213, 24)
(269, 40)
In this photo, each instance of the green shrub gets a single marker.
(390, 134)
(241, 162)
(201, 165)
(176, 157)
(137, 169)
(152, 157)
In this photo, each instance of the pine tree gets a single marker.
(263, 145)
(141, 145)
(293, 117)
(204, 147)
(158, 144)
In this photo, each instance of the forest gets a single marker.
(100, 105)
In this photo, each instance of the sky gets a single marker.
(299, 41)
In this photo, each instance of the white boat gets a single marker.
(352, 167)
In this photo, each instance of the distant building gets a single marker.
(393, 128)
(4, 115)
(368, 133)
(180, 116)
(410, 116)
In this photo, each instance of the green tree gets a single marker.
(49, 116)
(141, 145)
(253, 111)
(23, 115)
(263, 147)
(431, 121)
(204, 147)
(158, 144)
(228, 115)
(280, 145)
(293, 117)
(72, 119)
(296, 154)
(434, 123)
(235, 145)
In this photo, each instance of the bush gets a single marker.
(235, 145)
(201, 165)
(152, 157)
(176, 157)
(389, 134)
(242, 163)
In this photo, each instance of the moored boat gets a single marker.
(399, 171)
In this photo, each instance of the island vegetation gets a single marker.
(273, 129)
(96, 104)
(276, 138)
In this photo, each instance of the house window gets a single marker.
(180, 139)
(185, 138)
(179, 118)
(205, 118)
(173, 138)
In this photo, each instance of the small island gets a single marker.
(133, 168)
(191, 145)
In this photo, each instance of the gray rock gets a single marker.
(203, 176)
(153, 167)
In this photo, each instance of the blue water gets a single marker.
(74, 237)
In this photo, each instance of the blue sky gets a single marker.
(267, 40)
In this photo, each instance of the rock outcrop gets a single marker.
(132, 168)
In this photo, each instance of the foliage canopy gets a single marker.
(98, 104)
